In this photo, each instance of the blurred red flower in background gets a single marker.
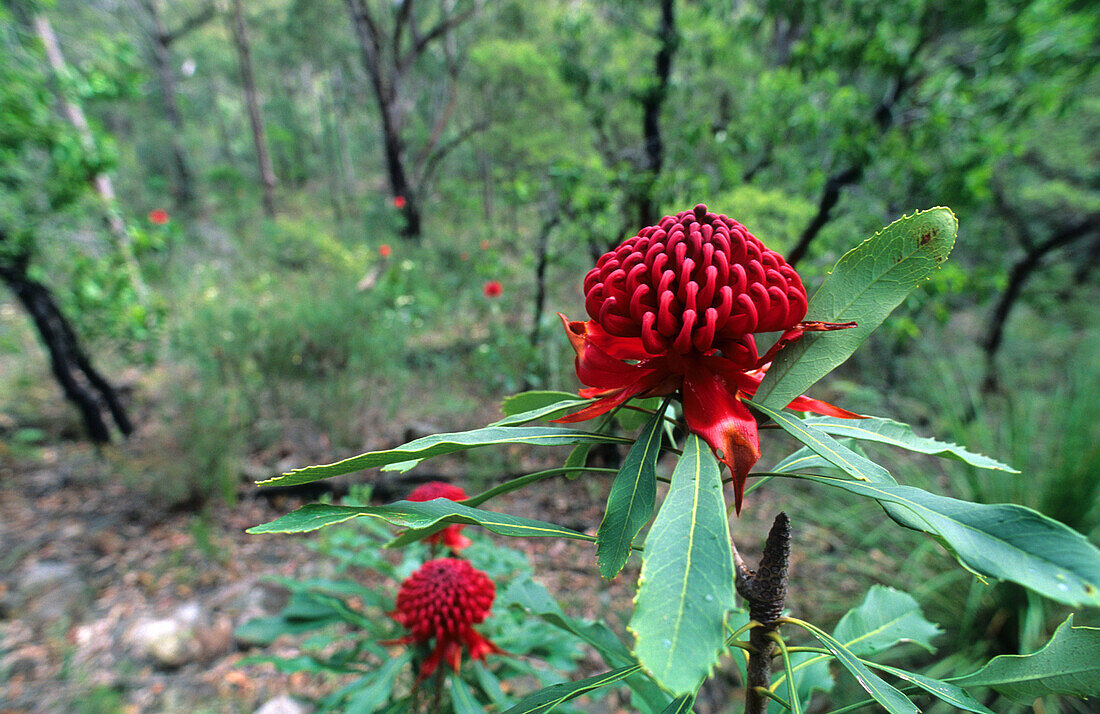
(158, 216)
(384, 250)
(674, 309)
(493, 289)
(444, 599)
(450, 536)
(399, 202)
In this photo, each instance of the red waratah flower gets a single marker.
(399, 202)
(674, 309)
(158, 216)
(493, 289)
(444, 599)
(450, 536)
(384, 250)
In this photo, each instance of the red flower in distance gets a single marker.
(451, 536)
(158, 216)
(399, 202)
(674, 309)
(444, 599)
(384, 250)
(493, 289)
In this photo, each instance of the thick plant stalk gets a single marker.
(765, 590)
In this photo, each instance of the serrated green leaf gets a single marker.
(686, 585)
(848, 461)
(439, 444)
(546, 700)
(415, 514)
(1069, 664)
(534, 399)
(944, 691)
(865, 286)
(888, 431)
(999, 541)
(885, 618)
(462, 699)
(890, 698)
(543, 411)
(631, 499)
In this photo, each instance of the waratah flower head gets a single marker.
(451, 536)
(443, 600)
(694, 282)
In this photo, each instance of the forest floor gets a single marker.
(110, 602)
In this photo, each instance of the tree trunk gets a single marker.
(830, 195)
(184, 189)
(102, 182)
(652, 103)
(248, 84)
(82, 384)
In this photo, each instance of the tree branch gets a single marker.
(192, 23)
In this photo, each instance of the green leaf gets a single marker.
(535, 399)
(893, 700)
(680, 705)
(1068, 664)
(490, 684)
(801, 460)
(888, 431)
(828, 448)
(809, 678)
(546, 700)
(686, 585)
(886, 617)
(577, 457)
(439, 444)
(462, 699)
(631, 499)
(543, 411)
(536, 600)
(415, 514)
(380, 687)
(865, 286)
(944, 691)
(1000, 541)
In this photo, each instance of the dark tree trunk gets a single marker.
(1021, 271)
(255, 118)
(652, 103)
(82, 384)
(829, 197)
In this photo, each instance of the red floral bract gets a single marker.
(493, 289)
(674, 309)
(450, 536)
(158, 216)
(444, 599)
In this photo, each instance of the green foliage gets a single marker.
(686, 585)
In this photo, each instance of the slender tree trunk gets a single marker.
(82, 384)
(652, 103)
(1021, 271)
(248, 83)
(102, 182)
(184, 189)
(830, 195)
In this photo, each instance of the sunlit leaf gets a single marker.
(888, 431)
(865, 286)
(534, 399)
(552, 410)
(415, 514)
(439, 444)
(686, 585)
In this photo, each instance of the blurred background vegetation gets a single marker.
(306, 199)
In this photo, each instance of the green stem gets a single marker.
(796, 706)
(517, 483)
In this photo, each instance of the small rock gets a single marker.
(172, 641)
(282, 704)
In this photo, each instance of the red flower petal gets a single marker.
(713, 410)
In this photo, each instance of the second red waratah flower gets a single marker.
(443, 600)
(674, 310)
(451, 536)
